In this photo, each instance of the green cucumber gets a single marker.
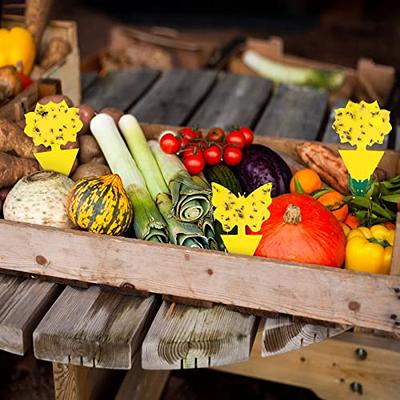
(224, 176)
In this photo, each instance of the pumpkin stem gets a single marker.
(292, 215)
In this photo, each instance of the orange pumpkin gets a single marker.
(300, 229)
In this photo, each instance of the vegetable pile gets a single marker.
(160, 191)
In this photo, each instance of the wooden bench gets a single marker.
(84, 329)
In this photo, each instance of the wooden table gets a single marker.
(88, 332)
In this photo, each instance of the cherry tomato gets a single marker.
(189, 133)
(248, 135)
(236, 138)
(169, 143)
(216, 135)
(194, 164)
(212, 155)
(25, 80)
(191, 149)
(232, 155)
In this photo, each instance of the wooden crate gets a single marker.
(369, 81)
(68, 72)
(252, 283)
(15, 109)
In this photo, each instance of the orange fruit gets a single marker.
(334, 202)
(308, 179)
(352, 221)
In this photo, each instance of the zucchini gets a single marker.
(224, 176)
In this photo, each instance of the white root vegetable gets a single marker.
(40, 199)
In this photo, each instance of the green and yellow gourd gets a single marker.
(99, 204)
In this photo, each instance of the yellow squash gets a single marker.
(17, 47)
(99, 204)
(370, 249)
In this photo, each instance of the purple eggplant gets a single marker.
(261, 165)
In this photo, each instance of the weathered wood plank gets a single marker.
(283, 334)
(80, 383)
(295, 112)
(87, 79)
(93, 328)
(361, 299)
(235, 100)
(142, 384)
(119, 89)
(23, 302)
(195, 337)
(331, 368)
(174, 96)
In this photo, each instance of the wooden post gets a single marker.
(79, 383)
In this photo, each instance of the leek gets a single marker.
(148, 223)
(279, 72)
(180, 232)
(191, 202)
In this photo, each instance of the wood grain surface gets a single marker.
(174, 96)
(360, 299)
(294, 112)
(195, 337)
(235, 100)
(93, 328)
(119, 89)
(23, 302)
(332, 368)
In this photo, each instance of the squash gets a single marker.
(99, 204)
(300, 229)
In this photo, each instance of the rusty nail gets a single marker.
(302, 359)
(127, 285)
(361, 353)
(210, 271)
(356, 387)
(393, 316)
(397, 290)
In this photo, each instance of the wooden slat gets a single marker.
(195, 337)
(87, 79)
(140, 384)
(119, 89)
(235, 100)
(360, 299)
(23, 302)
(295, 112)
(331, 367)
(174, 96)
(93, 328)
(283, 334)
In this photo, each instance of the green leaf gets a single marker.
(320, 192)
(392, 198)
(298, 187)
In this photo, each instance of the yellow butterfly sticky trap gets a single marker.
(53, 125)
(231, 210)
(361, 125)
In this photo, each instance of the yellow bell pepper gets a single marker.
(370, 249)
(17, 47)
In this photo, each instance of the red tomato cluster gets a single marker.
(216, 147)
